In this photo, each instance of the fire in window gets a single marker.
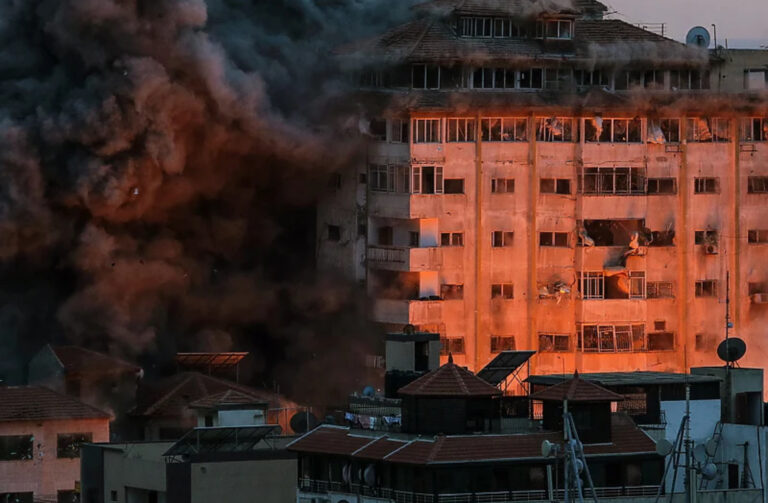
(452, 239)
(555, 186)
(452, 292)
(549, 343)
(612, 130)
(663, 131)
(504, 129)
(556, 129)
(706, 288)
(705, 129)
(501, 343)
(502, 238)
(503, 291)
(503, 185)
(68, 444)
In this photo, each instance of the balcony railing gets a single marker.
(387, 254)
(400, 258)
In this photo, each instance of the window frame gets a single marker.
(751, 125)
(503, 291)
(497, 344)
(498, 131)
(506, 238)
(556, 342)
(497, 183)
(701, 292)
(659, 289)
(454, 134)
(452, 238)
(553, 239)
(757, 185)
(592, 285)
(701, 185)
(545, 125)
(695, 129)
(418, 176)
(657, 182)
(609, 125)
(87, 437)
(427, 130)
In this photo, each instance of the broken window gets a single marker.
(556, 129)
(757, 184)
(427, 180)
(501, 343)
(530, 78)
(705, 129)
(612, 130)
(16, 447)
(710, 185)
(550, 343)
(425, 76)
(426, 130)
(503, 291)
(504, 129)
(502, 185)
(659, 290)
(757, 236)
(452, 292)
(377, 129)
(389, 178)
(613, 181)
(754, 129)
(637, 285)
(689, 80)
(662, 186)
(663, 131)
(706, 288)
(386, 234)
(68, 444)
(559, 239)
(661, 238)
(453, 345)
(614, 232)
(452, 239)
(561, 29)
(453, 186)
(661, 341)
(334, 233)
(460, 130)
(555, 186)
(592, 285)
(398, 130)
(705, 237)
(611, 338)
(501, 238)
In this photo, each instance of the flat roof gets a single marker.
(626, 378)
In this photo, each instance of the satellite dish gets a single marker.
(664, 447)
(346, 473)
(579, 465)
(547, 448)
(698, 36)
(302, 422)
(731, 349)
(709, 471)
(700, 453)
(711, 446)
(369, 391)
(369, 475)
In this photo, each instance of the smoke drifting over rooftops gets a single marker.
(157, 160)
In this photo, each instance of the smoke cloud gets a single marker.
(159, 162)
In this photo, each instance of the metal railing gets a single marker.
(385, 254)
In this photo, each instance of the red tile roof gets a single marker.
(228, 397)
(577, 390)
(36, 403)
(79, 360)
(449, 380)
(628, 439)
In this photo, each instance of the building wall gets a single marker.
(45, 474)
(266, 480)
(133, 470)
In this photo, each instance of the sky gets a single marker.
(743, 22)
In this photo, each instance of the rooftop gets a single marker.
(76, 359)
(625, 378)
(577, 390)
(36, 403)
(449, 380)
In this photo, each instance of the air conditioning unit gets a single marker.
(760, 298)
(711, 249)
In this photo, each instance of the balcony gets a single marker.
(397, 258)
(408, 206)
(415, 312)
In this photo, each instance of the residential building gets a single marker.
(41, 432)
(556, 181)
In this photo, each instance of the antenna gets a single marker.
(698, 36)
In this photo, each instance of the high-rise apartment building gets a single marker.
(552, 180)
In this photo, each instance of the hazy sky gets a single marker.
(743, 22)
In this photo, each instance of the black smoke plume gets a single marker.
(159, 162)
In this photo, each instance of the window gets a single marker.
(486, 27)
(550, 343)
(627, 80)
(559, 239)
(530, 78)
(754, 129)
(389, 178)
(501, 238)
(398, 131)
(705, 237)
(613, 181)
(504, 129)
(503, 291)
(502, 185)
(501, 343)
(689, 80)
(757, 184)
(15, 447)
(17, 497)
(664, 131)
(757, 236)
(662, 186)
(654, 79)
(612, 130)
(67, 497)
(588, 78)
(372, 78)
(427, 180)
(334, 233)
(493, 78)
(592, 285)
(706, 185)
(334, 181)
(386, 235)
(707, 130)
(755, 79)
(612, 338)
(452, 292)
(659, 290)
(555, 28)
(556, 129)
(661, 341)
(426, 131)
(454, 345)
(459, 130)
(113, 495)
(413, 239)
(378, 129)
(706, 288)
(425, 77)
(558, 78)
(68, 444)
(452, 239)
(554, 186)
(636, 285)
(453, 186)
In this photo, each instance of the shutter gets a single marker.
(417, 180)
(438, 180)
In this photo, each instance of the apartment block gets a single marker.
(556, 181)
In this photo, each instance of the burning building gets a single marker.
(540, 177)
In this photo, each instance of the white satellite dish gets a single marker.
(547, 448)
(700, 453)
(664, 447)
(711, 446)
(709, 471)
(369, 475)
(698, 36)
